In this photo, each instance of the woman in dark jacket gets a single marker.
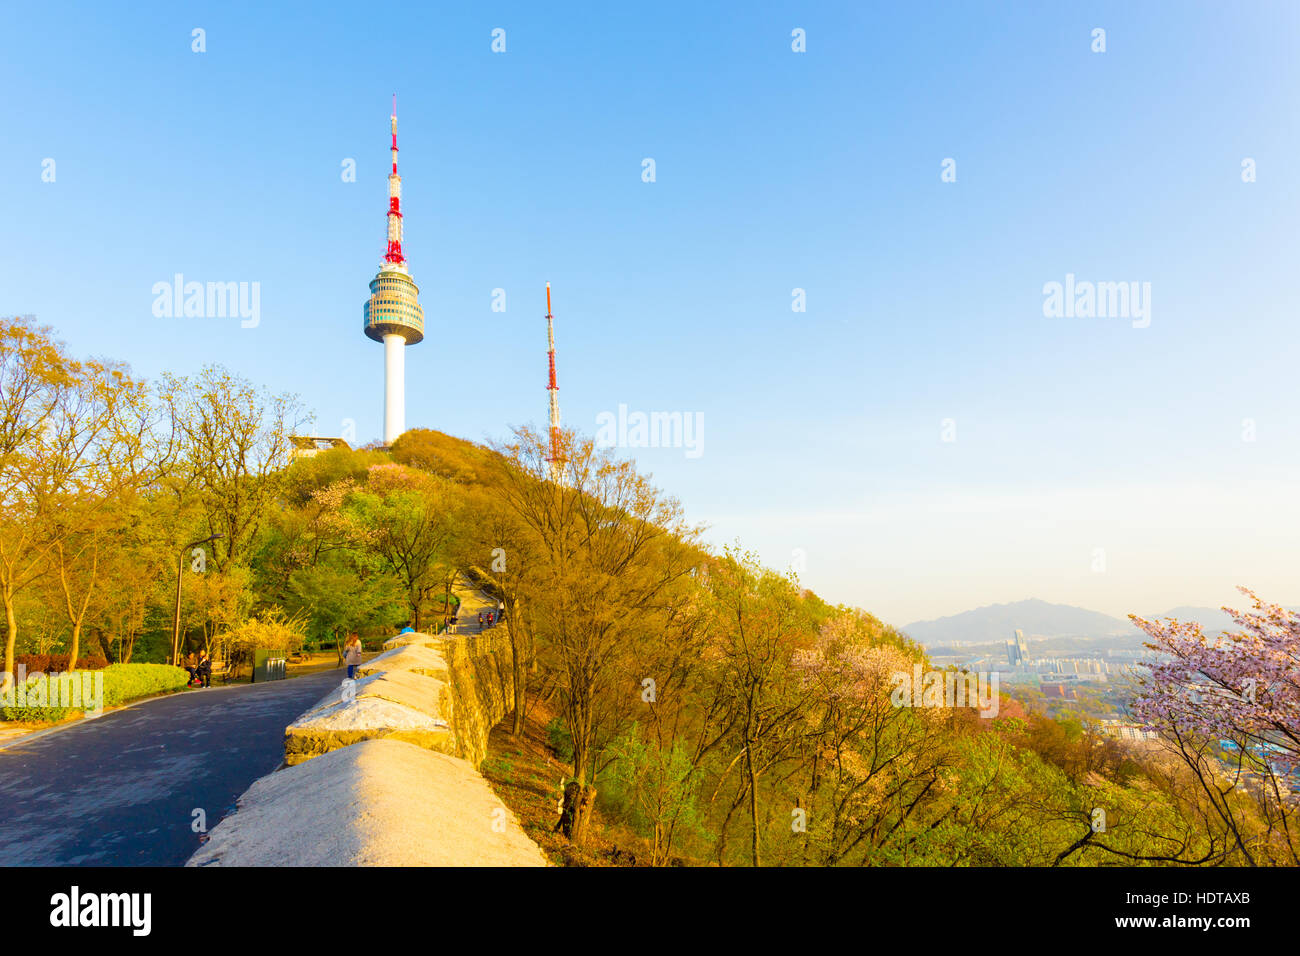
(204, 671)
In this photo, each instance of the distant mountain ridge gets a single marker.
(998, 622)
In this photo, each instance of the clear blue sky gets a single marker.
(775, 170)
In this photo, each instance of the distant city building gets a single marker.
(309, 446)
(1018, 650)
(1125, 730)
(1085, 668)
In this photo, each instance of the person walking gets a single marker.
(352, 655)
(480, 620)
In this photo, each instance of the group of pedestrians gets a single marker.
(199, 668)
(352, 648)
(485, 619)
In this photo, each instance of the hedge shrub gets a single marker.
(58, 663)
(122, 682)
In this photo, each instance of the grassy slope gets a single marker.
(525, 774)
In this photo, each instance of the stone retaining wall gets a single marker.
(439, 693)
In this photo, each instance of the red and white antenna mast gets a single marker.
(553, 390)
(394, 254)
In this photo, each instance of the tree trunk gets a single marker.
(752, 773)
(446, 598)
(75, 616)
(517, 666)
(753, 814)
(576, 813)
(74, 650)
(578, 797)
(11, 640)
(517, 727)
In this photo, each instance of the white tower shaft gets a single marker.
(394, 387)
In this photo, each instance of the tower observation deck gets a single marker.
(392, 314)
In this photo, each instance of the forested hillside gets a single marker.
(711, 708)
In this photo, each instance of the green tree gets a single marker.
(503, 550)
(407, 519)
(654, 785)
(610, 545)
(73, 444)
(232, 453)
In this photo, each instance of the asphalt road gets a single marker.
(121, 789)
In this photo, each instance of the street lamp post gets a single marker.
(176, 620)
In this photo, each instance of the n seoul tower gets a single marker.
(392, 313)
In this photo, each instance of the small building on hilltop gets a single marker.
(309, 446)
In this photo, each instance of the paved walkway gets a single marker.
(121, 789)
(472, 601)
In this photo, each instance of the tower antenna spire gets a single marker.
(394, 254)
(555, 457)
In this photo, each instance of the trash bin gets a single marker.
(268, 665)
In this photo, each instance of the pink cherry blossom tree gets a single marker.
(1229, 707)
